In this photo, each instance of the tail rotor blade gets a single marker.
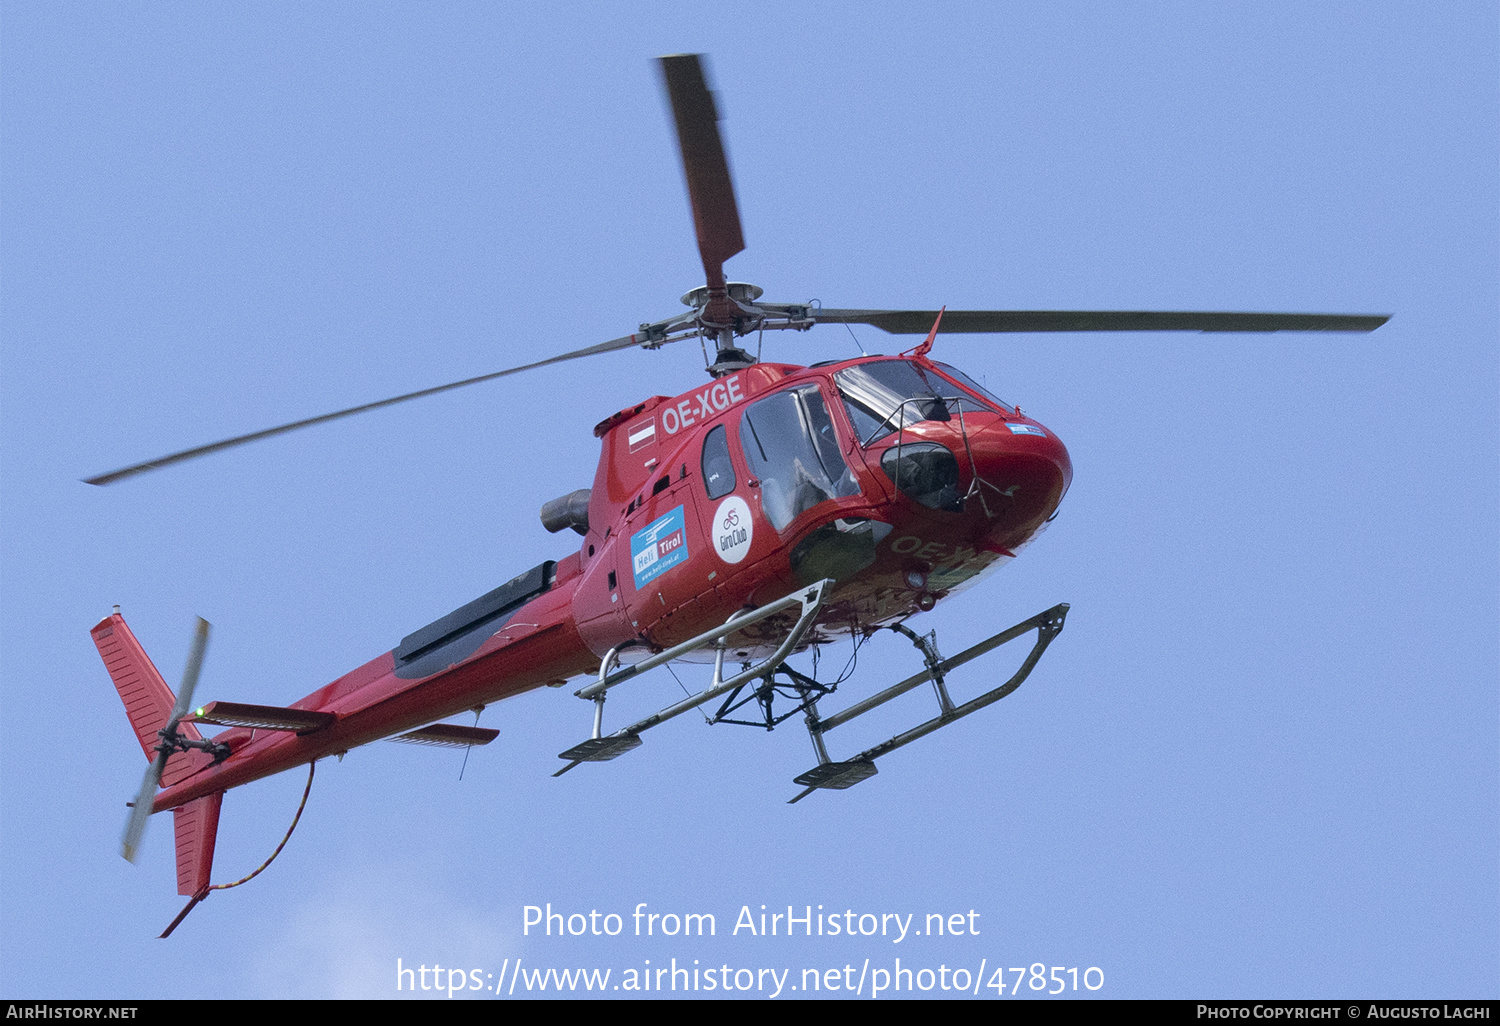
(190, 674)
(135, 826)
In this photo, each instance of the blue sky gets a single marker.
(1260, 760)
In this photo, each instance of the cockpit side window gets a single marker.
(790, 444)
(718, 469)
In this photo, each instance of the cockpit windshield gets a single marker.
(975, 387)
(888, 395)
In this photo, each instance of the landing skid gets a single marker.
(840, 775)
(601, 747)
(803, 690)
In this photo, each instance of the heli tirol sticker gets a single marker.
(658, 547)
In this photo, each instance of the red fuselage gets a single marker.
(898, 478)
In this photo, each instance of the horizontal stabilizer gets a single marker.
(259, 717)
(449, 735)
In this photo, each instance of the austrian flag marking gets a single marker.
(642, 435)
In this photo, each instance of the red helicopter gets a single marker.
(775, 508)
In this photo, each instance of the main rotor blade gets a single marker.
(917, 322)
(230, 443)
(716, 216)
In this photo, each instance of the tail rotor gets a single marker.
(171, 741)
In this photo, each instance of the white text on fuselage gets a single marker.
(702, 405)
(934, 552)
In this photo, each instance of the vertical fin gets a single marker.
(148, 700)
(196, 825)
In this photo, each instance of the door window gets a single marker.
(791, 446)
(718, 469)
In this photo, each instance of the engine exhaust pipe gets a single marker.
(572, 510)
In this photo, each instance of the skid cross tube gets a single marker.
(807, 691)
(599, 749)
(840, 775)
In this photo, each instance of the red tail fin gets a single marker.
(148, 703)
(148, 700)
(197, 825)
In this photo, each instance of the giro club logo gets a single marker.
(733, 529)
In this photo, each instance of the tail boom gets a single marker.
(367, 704)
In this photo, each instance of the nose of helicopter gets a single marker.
(1021, 471)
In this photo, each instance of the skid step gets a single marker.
(837, 775)
(602, 749)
